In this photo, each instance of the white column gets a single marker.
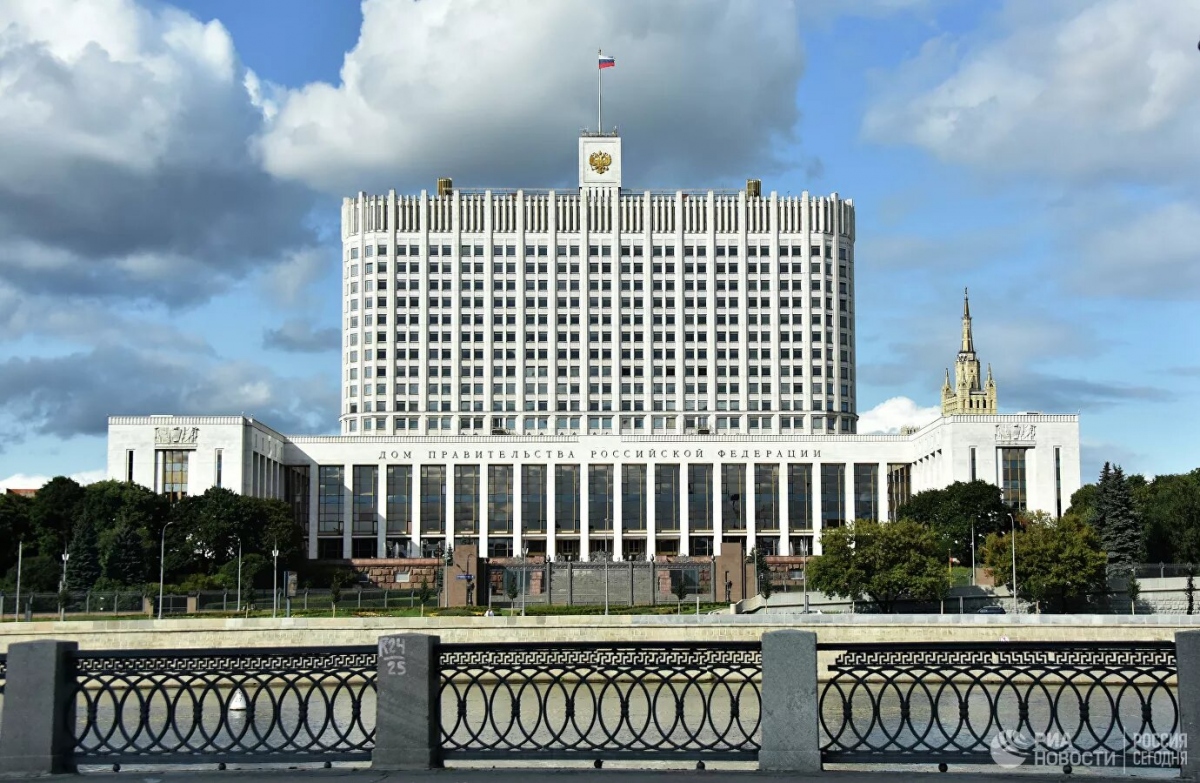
(484, 506)
(584, 512)
(618, 512)
(414, 512)
(848, 486)
(781, 493)
(551, 510)
(347, 508)
(381, 512)
(448, 520)
(518, 542)
(750, 506)
(718, 509)
(817, 520)
(314, 509)
(685, 529)
(883, 491)
(652, 506)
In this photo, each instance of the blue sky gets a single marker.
(173, 174)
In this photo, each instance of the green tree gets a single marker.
(1170, 509)
(53, 513)
(83, 565)
(14, 528)
(1117, 521)
(107, 503)
(1059, 563)
(886, 562)
(39, 574)
(125, 561)
(952, 511)
(762, 573)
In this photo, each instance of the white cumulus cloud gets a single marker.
(1081, 91)
(493, 93)
(25, 481)
(889, 416)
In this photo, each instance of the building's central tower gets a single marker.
(600, 161)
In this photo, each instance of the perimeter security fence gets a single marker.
(785, 703)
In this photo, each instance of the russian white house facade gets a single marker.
(566, 374)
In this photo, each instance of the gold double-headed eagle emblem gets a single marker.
(600, 161)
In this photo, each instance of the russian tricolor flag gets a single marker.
(607, 62)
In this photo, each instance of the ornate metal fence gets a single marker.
(589, 701)
(985, 703)
(267, 705)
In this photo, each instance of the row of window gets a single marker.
(595, 424)
(454, 500)
(600, 251)
(562, 269)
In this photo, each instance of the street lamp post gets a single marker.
(62, 586)
(239, 597)
(275, 580)
(972, 553)
(162, 565)
(1013, 521)
(524, 577)
(20, 556)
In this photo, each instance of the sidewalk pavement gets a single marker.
(559, 775)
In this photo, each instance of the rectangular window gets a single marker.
(733, 497)
(566, 498)
(466, 499)
(399, 500)
(1057, 482)
(217, 459)
(833, 494)
(533, 498)
(600, 497)
(866, 491)
(766, 497)
(1012, 477)
(666, 497)
(331, 489)
(800, 496)
(500, 499)
(633, 497)
(700, 498)
(174, 478)
(973, 474)
(433, 499)
(899, 480)
(129, 465)
(366, 482)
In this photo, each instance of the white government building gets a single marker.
(598, 372)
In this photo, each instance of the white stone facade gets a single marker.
(379, 494)
(596, 370)
(598, 310)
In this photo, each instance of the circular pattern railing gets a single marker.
(271, 705)
(969, 702)
(596, 701)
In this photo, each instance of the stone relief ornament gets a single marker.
(600, 161)
(176, 436)
(1008, 433)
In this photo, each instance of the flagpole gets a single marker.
(599, 93)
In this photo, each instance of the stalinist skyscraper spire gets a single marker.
(970, 393)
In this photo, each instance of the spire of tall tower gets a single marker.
(968, 342)
(971, 393)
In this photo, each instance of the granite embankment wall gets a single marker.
(235, 633)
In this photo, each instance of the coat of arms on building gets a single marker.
(600, 161)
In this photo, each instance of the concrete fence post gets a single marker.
(408, 715)
(1187, 662)
(39, 709)
(791, 737)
